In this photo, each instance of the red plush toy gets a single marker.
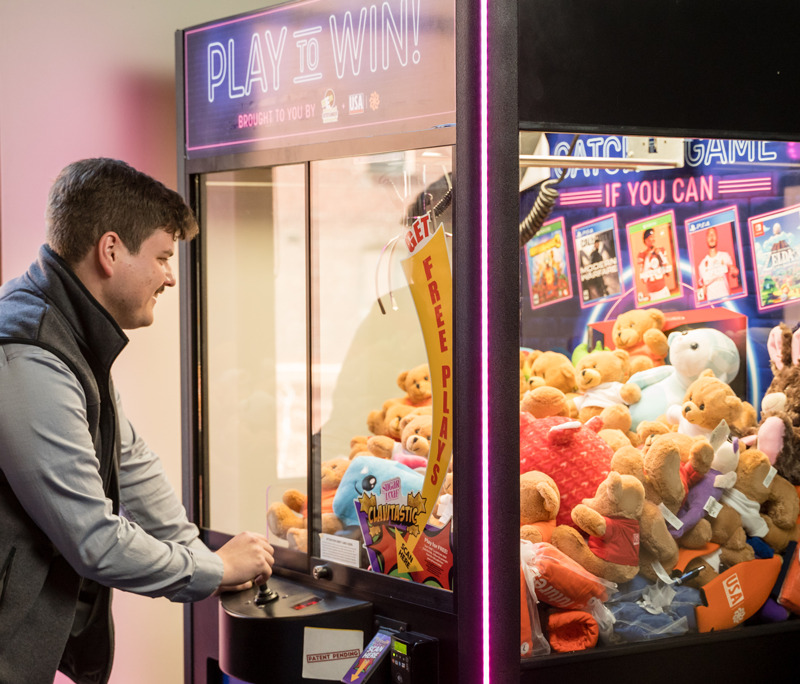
(568, 451)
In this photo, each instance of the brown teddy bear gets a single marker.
(287, 518)
(611, 519)
(386, 421)
(416, 430)
(640, 333)
(657, 466)
(767, 504)
(539, 502)
(416, 383)
(603, 389)
(670, 465)
(706, 475)
(553, 369)
(415, 438)
(545, 401)
(707, 403)
(760, 504)
(411, 449)
(396, 421)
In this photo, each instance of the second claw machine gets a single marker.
(658, 196)
(466, 268)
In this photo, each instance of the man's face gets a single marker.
(649, 241)
(139, 279)
(711, 237)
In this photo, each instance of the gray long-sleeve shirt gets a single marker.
(49, 460)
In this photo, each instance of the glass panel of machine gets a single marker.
(255, 253)
(381, 359)
(660, 352)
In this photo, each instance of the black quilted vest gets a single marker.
(39, 591)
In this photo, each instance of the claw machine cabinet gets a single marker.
(339, 285)
(643, 124)
(298, 245)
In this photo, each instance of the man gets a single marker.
(714, 269)
(653, 269)
(84, 503)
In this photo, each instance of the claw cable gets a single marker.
(543, 205)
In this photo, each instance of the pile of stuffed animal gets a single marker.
(661, 483)
(396, 449)
(653, 500)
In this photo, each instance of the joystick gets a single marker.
(265, 594)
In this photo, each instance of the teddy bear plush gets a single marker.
(640, 333)
(603, 389)
(416, 383)
(553, 369)
(386, 420)
(611, 521)
(709, 401)
(767, 504)
(539, 501)
(567, 450)
(761, 504)
(287, 519)
(411, 449)
(781, 509)
(657, 466)
(544, 401)
(415, 440)
(706, 474)
(690, 353)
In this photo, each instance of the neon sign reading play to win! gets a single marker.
(322, 69)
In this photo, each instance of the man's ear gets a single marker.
(108, 252)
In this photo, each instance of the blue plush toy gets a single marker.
(690, 353)
(369, 474)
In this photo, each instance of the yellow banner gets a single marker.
(431, 283)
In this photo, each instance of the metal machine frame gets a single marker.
(540, 65)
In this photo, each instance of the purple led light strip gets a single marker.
(484, 228)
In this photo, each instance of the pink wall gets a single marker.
(84, 78)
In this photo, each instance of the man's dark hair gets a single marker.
(93, 196)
